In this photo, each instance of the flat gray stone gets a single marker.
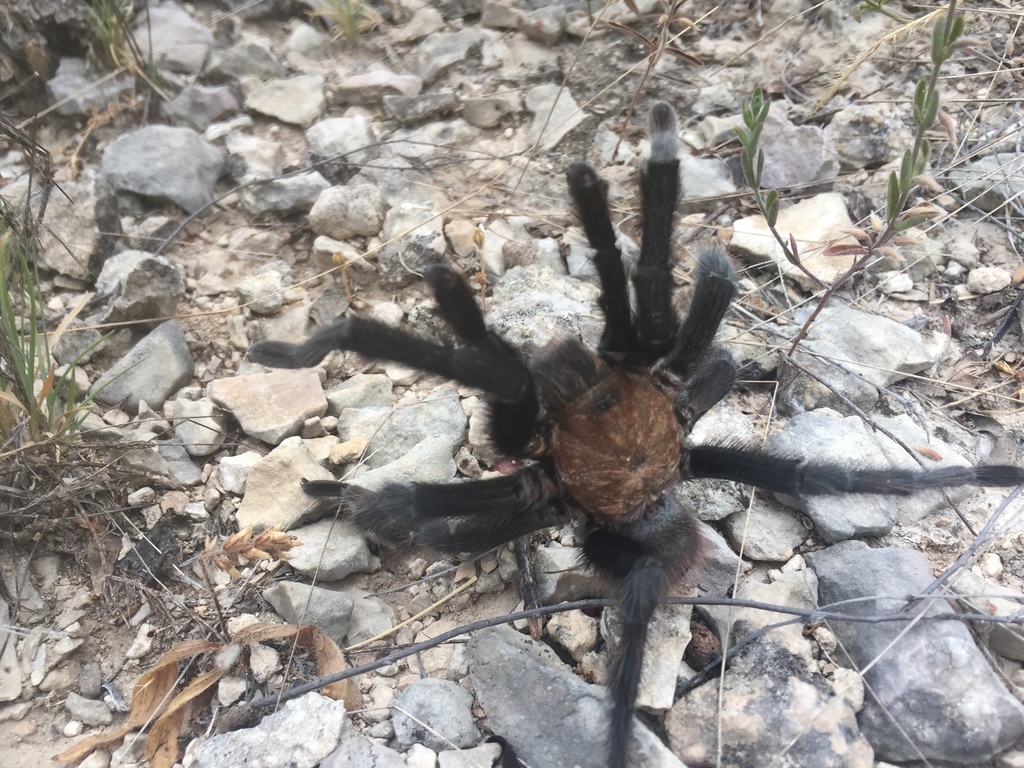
(273, 488)
(927, 679)
(295, 100)
(165, 163)
(271, 406)
(153, 370)
(304, 732)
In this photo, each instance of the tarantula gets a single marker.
(604, 435)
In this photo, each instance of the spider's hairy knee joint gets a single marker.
(713, 262)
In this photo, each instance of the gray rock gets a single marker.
(140, 286)
(574, 631)
(927, 679)
(371, 617)
(814, 223)
(302, 604)
(295, 100)
(348, 211)
(361, 391)
(795, 585)
(991, 181)
(178, 466)
(718, 567)
(418, 242)
(437, 54)
(532, 306)
(371, 87)
(497, 14)
(262, 293)
(199, 105)
(83, 225)
(10, 669)
(787, 713)
(486, 111)
(233, 471)
(80, 91)
(308, 41)
(429, 462)
(419, 145)
(198, 426)
(246, 58)
(153, 370)
(271, 406)
(701, 177)
(877, 348)
(544, 25)
(435, 713)
(869, 135)
(796, 155)
(290, 194)
(253, 157)
(566, 725)
(555, 113)
(409, 110)
(165, 163)
(769, 532)
(988, 280)
(273, 488)
(172, 40)
(982, 596)
(347, 139)
(439, 416)
(668, 634)
(304, 732)
(424, 21)
(89, 711)
(562, 575)
(486, 754)
(360, 751)
(331, 550)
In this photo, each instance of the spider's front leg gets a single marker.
(453, 518)
(642, 560)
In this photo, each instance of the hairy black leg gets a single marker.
(656, 320)
(492, 370)
(511, 421)
(590, 199)
(640, 584)
(457, 305)
(799, 477)
(455, 517)
(713, 289)
(711, 379)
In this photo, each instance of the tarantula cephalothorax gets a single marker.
(604, 434)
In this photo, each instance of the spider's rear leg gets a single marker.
(800, 477)
(455, 518)
(643, 559)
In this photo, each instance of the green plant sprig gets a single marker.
(883, 234)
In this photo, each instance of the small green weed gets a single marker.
(37, 404)
(348, 18)
(884, 231)
(111, 23)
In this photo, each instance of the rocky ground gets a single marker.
(265, 179)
